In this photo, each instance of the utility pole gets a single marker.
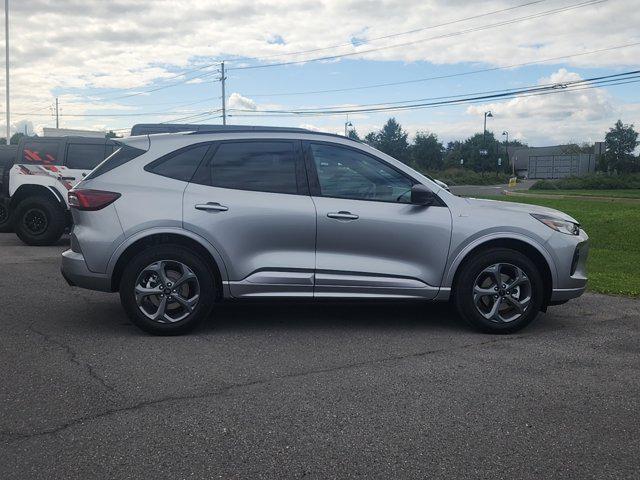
(224, 98)
(57, 115)
(6, 65)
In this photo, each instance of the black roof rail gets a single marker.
(151, 128)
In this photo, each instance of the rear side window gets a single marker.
(181, 164)
(258, 166)
(43, 153)
(121, 156)
(85, 156)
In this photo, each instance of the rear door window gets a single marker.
(263, 166)
(40, 153)
(85, 156)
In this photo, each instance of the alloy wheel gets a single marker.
(502, 293)
(167, 291)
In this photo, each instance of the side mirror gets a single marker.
(421, 195)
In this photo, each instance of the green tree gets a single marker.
(453, 154)
(575, 149)
(427, 152)
(391, 139)
(371, 138)
(111, 134)
(620, 143)
(353, 135)
(16, 137)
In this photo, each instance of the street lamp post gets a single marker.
(506, 147)
(484, 134)
(346, 125)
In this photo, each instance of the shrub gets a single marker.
(590, 182)
(460, 176)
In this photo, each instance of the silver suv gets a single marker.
(177, 222)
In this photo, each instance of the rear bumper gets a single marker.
(75, 271)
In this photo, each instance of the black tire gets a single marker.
(39, 221)
(6, 218)
(463, 294)
(137, 266)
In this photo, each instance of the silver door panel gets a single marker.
(255, 233)
(393, 246)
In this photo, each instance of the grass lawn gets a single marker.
(613, 227)
(622, 193)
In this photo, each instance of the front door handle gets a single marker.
(212, 207)
(343, 215)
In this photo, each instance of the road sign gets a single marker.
(499, 162)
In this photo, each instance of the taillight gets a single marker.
(91, 199)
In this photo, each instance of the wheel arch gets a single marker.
(536, 253)
(34, 190)
(200, 246)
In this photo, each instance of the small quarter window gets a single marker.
(122, 155)
(180, 165)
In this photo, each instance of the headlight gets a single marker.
(558, 224)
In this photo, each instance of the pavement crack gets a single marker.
(74, 358)
(16, 436)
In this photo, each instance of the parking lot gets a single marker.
(287, 390)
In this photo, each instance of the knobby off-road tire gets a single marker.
(39, 221)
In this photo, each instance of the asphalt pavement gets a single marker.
(320, 391)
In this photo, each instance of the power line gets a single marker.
(144, 92)
(440, 77)
(593, 82)
(414, 42)
(407, 32)
(531, 87)
(138, 114)
(455, 103)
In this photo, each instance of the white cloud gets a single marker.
(238, 101)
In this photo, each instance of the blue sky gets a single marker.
(105, 52)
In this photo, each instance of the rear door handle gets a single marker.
(212, 207)
(342, 215)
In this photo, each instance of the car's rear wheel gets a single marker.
(498, 291)
(39, 221)
(167, 290)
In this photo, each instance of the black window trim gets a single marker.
(68, 144)
(168, 156)
(314, 182)
(302, 184)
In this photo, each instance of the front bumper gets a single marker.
(75, 271)
(571, 264)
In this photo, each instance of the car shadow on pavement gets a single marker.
(292, 315)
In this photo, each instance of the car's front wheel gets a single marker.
(167, 290)
(498, 291)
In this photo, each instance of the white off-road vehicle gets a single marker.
(33, 188)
